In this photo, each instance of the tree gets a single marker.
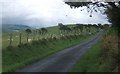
(35, 34)
(28, 31)
(80, 27)
(89, 27)
(113, 14)
(105, 26)
(112, 9)
(64, 29)
(60, 24)
(100, 25)
(95, 26)
(44, 30)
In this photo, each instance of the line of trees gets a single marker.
(64, 30)
(41, 31)
(80, 27)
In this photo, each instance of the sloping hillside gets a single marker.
(11, 28)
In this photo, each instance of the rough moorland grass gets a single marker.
(110, 43)
(91, 61)
(18, 57)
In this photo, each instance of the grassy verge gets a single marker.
(101, 57)
(110, 52)
(18, 57)
(91, 61)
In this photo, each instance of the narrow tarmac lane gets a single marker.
(62, 61)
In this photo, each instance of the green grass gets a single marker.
(110, 43)
(91, 61)
(18, 57)
(15, 35)
(13, 27)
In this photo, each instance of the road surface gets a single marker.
(62, 61)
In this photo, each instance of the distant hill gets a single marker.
(12, 28)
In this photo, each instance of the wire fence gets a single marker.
(21, 38)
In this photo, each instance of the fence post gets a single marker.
(27, 36)
(33, 36)
(10, 39)
(20, 38)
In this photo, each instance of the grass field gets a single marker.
(14, 57)
(15, 35)
(91, 61)
(17, 57)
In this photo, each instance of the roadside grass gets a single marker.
(110, 51)
(101, 57)
(14, 58)
(91, 61)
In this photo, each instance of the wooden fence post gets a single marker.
(20, 38)
(33, 36)
(10, 39)
(27, 36)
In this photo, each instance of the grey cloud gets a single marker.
(16, 20)
(43, 15)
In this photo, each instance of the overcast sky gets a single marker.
(44, 13)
